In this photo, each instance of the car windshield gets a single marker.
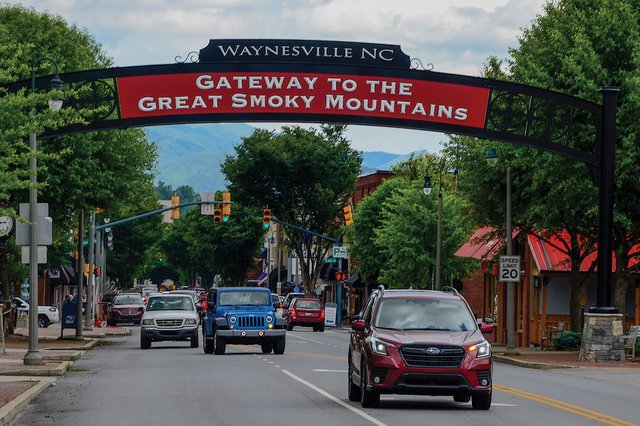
(255, 298)
(308, 304)
(177, 303)
(128, 299)
(275, 298)
(424, 314)
(191, 293)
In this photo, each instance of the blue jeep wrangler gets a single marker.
(242, 315)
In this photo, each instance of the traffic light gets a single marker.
(266, 218)
(348, 215)
(226, 206)
(217, 215)
(341, 276)
(175, 213)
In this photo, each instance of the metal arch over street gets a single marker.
(351, 83)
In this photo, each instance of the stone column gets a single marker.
(602, 338)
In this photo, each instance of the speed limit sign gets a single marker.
(509, 269)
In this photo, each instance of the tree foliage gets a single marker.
(304, 176)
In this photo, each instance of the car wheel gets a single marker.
(207, 344)
(194, 340)
(289, 327)
(321, 329)
(368, 399)
(462, 398)
(315, 328)
(481, 401)
(144, 342)
(279, 345)
(43, 321)
(352, 389)
(219, 345)
(266, 347)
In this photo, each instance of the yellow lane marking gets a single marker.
(575, 409)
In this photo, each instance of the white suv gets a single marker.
(169, 317)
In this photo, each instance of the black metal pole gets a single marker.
(607, 187)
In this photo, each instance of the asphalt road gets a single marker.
(172, 384)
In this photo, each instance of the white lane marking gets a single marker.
(276, 366)
(497, 404)
(334, 399)
(324, 370)
(305, 338)
(271, 362)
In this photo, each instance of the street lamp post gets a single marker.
(426, 187)
(492, 158)
(33, 356)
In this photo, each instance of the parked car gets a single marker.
(289, 297)
(275, 300)
(419, 342)
(169, 316)
(125, 307)
(305, 312)
(46, 314)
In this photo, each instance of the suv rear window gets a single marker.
(424, 314)
(308, 304)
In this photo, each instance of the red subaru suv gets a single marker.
(419, 342)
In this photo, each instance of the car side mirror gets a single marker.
(276, 305)
(356, 317)
(486, 328)
(357, 325)
(141, 309)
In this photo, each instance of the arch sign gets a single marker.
(351, 83)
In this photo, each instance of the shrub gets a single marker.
(567, 340)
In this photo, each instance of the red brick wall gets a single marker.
(473, 291)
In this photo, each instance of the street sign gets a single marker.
(42, 254)
(509, 269)
(331, 260)
(339, 252)
(44, 232)
(207, 209)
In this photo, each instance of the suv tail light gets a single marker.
(293, 312)
(322, 313)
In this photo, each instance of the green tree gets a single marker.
(304, 176)
(361, 234)
(577, 47)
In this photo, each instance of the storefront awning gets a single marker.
(484, 244)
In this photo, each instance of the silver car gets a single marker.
(169, 317)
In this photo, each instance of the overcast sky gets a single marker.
(456, 36)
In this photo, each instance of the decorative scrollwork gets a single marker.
(416, 64)
(191, 57)
(97, 95)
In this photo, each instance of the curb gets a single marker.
(58, 370)
(528, 364)
(12, 408)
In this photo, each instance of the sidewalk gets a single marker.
(548, 359)
(20, 384)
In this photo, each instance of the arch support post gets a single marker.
(607, 185)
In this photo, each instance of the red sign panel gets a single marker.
(302, 93)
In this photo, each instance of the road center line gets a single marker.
(324, 370)
(334, 399)
(575, 409)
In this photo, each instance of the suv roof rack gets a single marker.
(381, 288)
(449, 289)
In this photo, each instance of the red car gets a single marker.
(419, 342)
(125, 307)
(305, 312)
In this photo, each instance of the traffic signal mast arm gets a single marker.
(143, 215)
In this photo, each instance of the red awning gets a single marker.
(548, 257)
(484, 244)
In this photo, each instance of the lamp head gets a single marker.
(56, 84)
(426, 187)
(491, 156)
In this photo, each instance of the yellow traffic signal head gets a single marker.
(348, 215)
(266, 218)
(226, 206)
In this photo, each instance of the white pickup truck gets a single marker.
(46, 314)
